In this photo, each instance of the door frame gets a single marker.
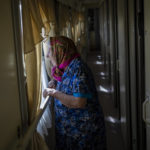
(116, 59)
(18, 36)
(140, 72)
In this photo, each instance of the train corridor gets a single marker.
(105, 92)
(111, 36)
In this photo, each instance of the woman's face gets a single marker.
(51, 57)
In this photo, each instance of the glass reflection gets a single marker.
(103, 89)
(99, 63)
(112, 119)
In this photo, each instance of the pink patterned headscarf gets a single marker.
(64, 51)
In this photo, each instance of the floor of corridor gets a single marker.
(114, 138)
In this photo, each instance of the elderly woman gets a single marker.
(79, 120)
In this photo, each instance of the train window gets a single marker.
(46, 119)
(44, 76)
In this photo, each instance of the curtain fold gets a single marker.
(33, 72)
(27, 28)
(48, 8)
(47, 14)
(32, 24)
(35, 14)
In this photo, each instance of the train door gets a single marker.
(132, 59)
(131, 64)
(146, 104)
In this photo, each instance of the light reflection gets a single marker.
(103, 89)
(11, 61)
(12, 74)
(112, 120)
(123, 120)
(99, 57)
(99, 63)
(103, 74)
(104, 78)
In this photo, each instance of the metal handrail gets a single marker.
(23, 143)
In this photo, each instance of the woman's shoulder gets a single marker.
(79, 65)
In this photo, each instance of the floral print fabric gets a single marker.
(79, 129)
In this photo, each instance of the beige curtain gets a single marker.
(74, 21)
(69, 20)
(48, 14)
(63, 18)
(33, 71)
(71, 24)
(35, 16)
(32, 24)
(48, 8)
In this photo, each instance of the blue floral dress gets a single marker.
(76, 128)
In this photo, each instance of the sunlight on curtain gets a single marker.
(46, 46)
(68, 30)
(48, 65)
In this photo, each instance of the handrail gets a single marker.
(23, 143)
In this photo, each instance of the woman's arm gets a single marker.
(67, 100)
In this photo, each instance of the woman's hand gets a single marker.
(67, 100)
(52, 84)
(49, 92)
